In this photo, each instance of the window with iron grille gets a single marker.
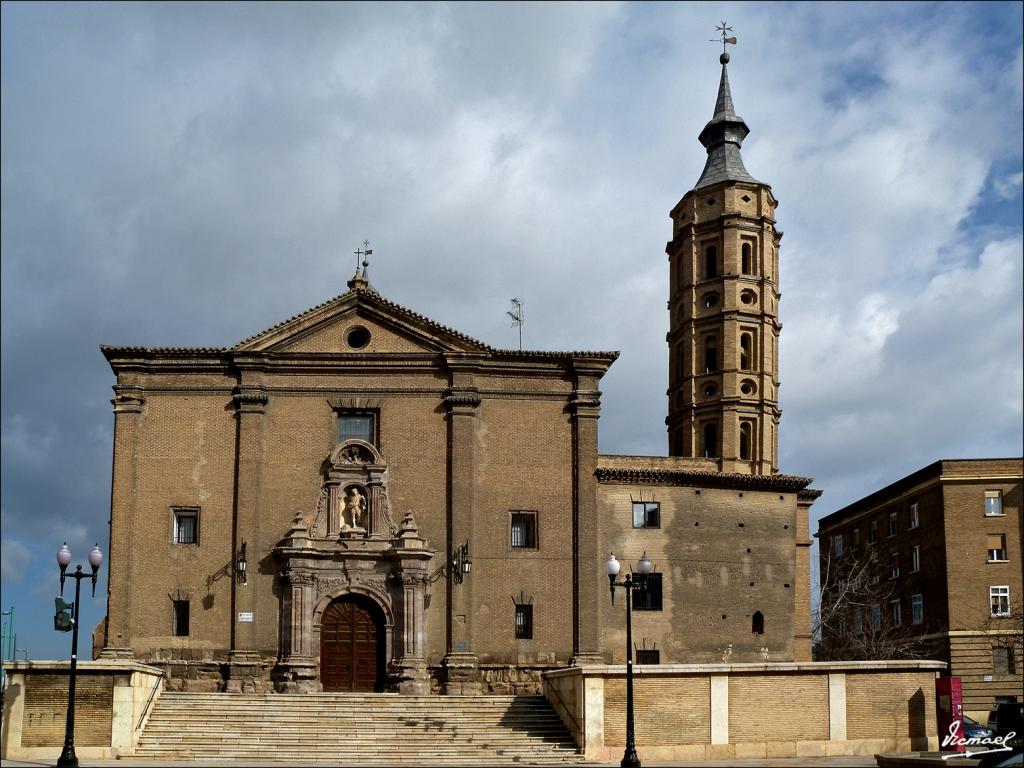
(648, 656)
(358, 425)
(186, 526)
(524, 530)
(648, 598)
(524, 622)
(179, 620)
(1003, 662)
(646, 514)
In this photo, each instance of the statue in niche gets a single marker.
(354, 510)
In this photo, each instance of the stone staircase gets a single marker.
(352, 728)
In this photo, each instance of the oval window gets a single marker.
(357, 337)
(710, 300)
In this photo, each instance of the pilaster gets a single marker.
(462, 401)
(585, 410)
(128, 405)
(250, 401)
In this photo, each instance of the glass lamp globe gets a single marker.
(644, 566)
(63, 555)
(95, 557)
(611, 565)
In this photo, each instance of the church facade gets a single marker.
(360, 498)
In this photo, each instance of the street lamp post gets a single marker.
(67, 758)
(632, 583)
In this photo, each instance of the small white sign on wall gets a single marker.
(986, 678)
(245, 617)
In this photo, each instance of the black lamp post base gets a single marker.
(630, 759)
(68, 758)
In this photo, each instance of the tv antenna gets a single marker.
(516, 313)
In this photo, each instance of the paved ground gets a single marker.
(788, 762)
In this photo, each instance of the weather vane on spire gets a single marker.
(362, 253)
(725, 29)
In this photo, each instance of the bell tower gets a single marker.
(723, 298)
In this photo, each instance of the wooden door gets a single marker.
(351, 646)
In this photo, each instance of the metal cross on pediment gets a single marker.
(362, 253)
(725, 40)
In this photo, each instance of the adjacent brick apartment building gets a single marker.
(946, 542)
(417, 510)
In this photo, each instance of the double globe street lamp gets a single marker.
(632, 583)
(67, 758)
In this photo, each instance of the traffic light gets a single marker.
(62, 620)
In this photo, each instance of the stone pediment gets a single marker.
(360, 321)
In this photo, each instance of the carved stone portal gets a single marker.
(351, 547)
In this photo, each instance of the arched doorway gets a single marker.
(352, 645)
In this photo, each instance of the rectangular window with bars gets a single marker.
(179, 620)
(648, 598)
(1003, 661)
(524, 622)
(361, 425)
(646, 514)
(648, 656)
(186, 526)
(995, 543)
(993, 503)
(524, 530)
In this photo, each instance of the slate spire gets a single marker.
(722, 137)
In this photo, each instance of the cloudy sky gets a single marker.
(189, 174)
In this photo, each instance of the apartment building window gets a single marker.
(876, 617)
(524, 530)
(858, 621)
(873, 532)
(894, 565)
(915, 519)
(646, 514)
(649, 599)
(186, 526)
(999, 599)
(915, 558)
(1003, 662)
(993, 503)
(648, 656)
(837, 545)
(179, 618)
(996, 545)
(896, 610)
(357, 425)
(524, 622)
(917, 608)
(894, 523)
(855, 540)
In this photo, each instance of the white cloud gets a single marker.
(14, 558)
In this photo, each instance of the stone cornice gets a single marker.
(703, 479)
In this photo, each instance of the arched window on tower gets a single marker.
(745, 258)
(746, 345)
(710, 262)
(745, 440)
(710, 354)
(757, 623)
(710, 440)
